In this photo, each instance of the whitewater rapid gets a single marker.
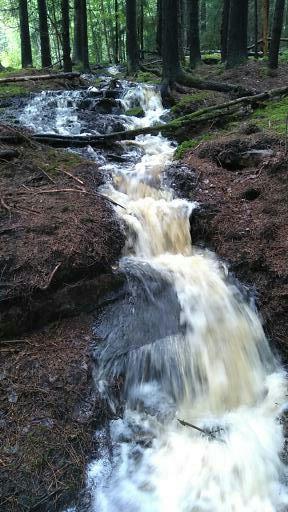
(185, 344)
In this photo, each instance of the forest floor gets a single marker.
(57, 257)
(60, 239)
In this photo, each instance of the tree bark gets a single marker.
(131, 37)
(256, 28)
(67, 63)
(159, 27)
(26, 53)
(181, 29)
(224, 29)
(141, 29)
(276, 33)
(237, 33)
(170, 49)
(77, 32)
(203, 16)
(84, 30)
(44, 34)
(265, 26)
(116, 10)
(194, 36)
(80, 53)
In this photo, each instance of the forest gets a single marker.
(143, 255)
(87, 33)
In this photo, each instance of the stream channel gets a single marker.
(183, 340)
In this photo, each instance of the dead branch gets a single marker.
(50, 277)
(72, 176)
(205, 432)
(51, 76)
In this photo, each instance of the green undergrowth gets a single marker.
(214, 56)
(191, 102)
(273, 116)
(146, 77)
(54, 162)
(188, 145)
(12, 89)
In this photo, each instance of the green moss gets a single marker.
(283, 57)
(214, 56)
(135, 112)
(183, 148)
(193, 143)
(272, 116)
(146, 77)
(191, 102)
(12, 89)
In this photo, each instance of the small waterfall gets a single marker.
(183, 343)
(203, 359)
(53, 112)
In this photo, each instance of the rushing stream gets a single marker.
(186, 344)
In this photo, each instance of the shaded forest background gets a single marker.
(44, 33)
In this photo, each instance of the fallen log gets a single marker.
(283, 39)
(51, 76)
(59, 141)
(190, 81)
(195, 118)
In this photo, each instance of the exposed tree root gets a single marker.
(191, 81)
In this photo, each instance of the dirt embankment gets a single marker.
(241, 183)
(59, 236)
(59, 241)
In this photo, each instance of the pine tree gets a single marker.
(67, 63)
(131, 37)
(44, 34)
(237, 33)
(26, 53)
(276, 33)
(194, 35)
(224, 29)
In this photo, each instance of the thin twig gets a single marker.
(46, 174)
(207, 433)
(72, 176)
(50, 277)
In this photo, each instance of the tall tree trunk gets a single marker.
(265, 26)
(256, 28)
(131, 37)
(224, 29)
(80, 56)
(182, 29)
(26, 53)
(116, 8)
(77, 32)
(67, 63)
(44, 34)
(203, 16)
(237, 33)
(84, 30)
(276, 33)
(170, 49)
(159, 27)
(194, 36)
(141, 29)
